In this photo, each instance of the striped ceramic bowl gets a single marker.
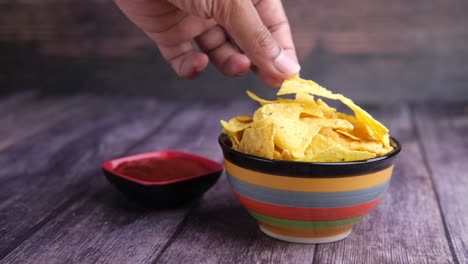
(307, 202)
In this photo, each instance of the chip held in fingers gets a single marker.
(306, 128)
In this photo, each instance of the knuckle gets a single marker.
(207, 8)
(202, 8)
(177, 67)
(226, 10)
(263, 41)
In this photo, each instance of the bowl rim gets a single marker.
(111, 166)
(321, 166)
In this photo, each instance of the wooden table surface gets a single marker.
(56, 206)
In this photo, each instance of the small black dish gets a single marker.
(162, 179)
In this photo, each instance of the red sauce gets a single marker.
(157, 170)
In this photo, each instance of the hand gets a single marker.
(259, 28)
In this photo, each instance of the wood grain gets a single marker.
(407, 226)
(122, 232)
(13, 102)
(56, 207)
(35, 117)
(442, 132)
(48, 172)
(220, 231)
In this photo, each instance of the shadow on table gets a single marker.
(209, 217)
(119, 202)
(232, 222)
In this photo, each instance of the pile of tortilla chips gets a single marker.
(307, 129)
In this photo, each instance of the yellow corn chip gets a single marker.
(305, 98)
(319, 143)
(339, 153)
(258, 115)
(234, 125)
(277, 155)
(285, 155)
(244, 119)
(258, 141)
(258, 99)
(292, 135)
(287, 110)
(234, 138)
(307, 129)
(349, 135)
(285, 101)
(328, 111)
(297, 85)
(370, 146)
(335, 123)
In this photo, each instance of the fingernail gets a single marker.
(284, 64)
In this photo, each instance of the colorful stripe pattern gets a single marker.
(307, 208)
(307, 202)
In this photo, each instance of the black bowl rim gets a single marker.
(396, 149)
(111, 165)
(302, 169)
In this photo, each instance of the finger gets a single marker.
(273, 16)
(163, 22)
(146, 8)
(185, 61)
(185, 29)
(222, 53)
(241, 20)
(266, 78)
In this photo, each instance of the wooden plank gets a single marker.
(46, 173)
(9, 106)
(220, 231)
(442, 133)
(406, 227)
(116, 230)
(102, 226)
(15, 101)
(35, 117)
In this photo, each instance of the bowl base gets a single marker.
(305, 240)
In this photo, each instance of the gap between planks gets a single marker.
(173, 136)
(442, 135)
(27, 120)
(102, 130)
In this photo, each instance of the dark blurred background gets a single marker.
(370, 50)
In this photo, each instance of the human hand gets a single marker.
(259, 28)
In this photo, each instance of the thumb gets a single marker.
(242, 21)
